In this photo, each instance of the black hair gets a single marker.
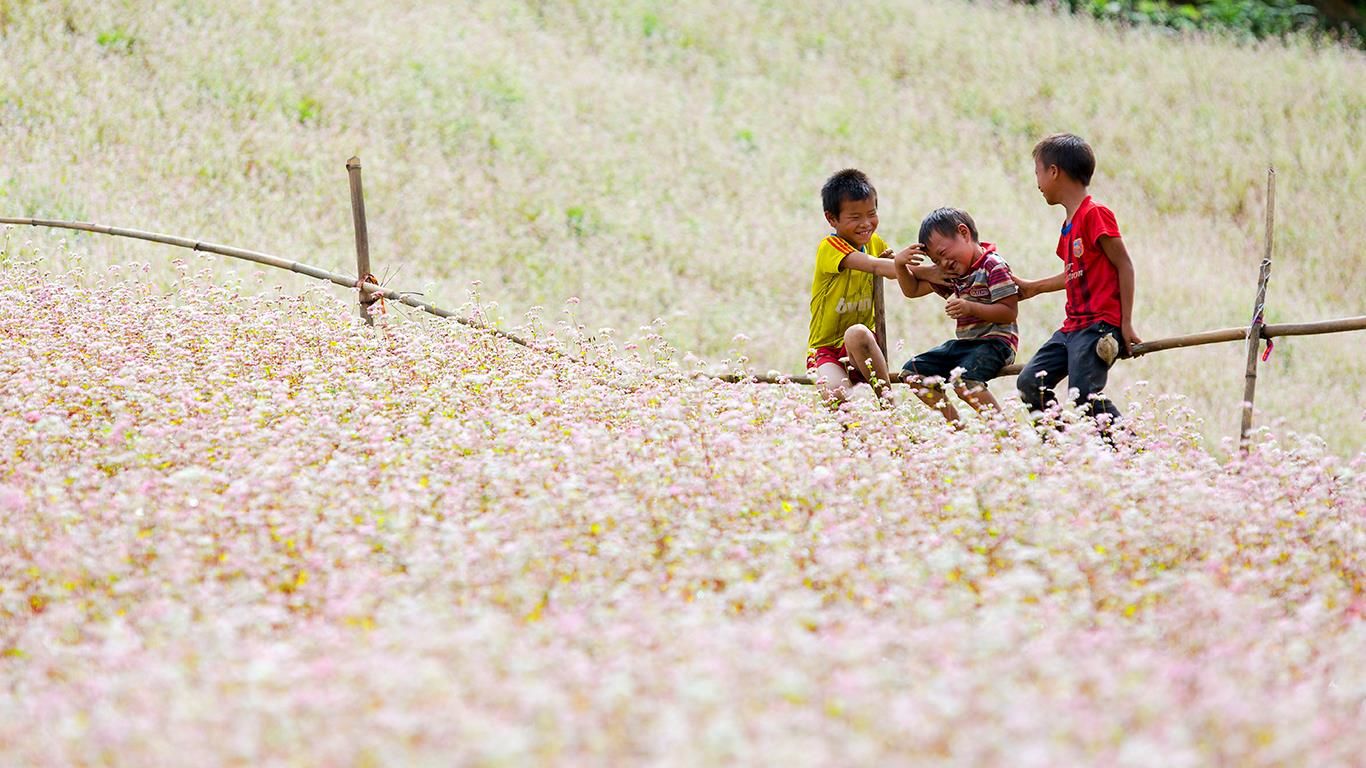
(847, 185)
(945, 221)
(1069, 152)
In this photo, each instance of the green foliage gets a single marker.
(116, 40)
(649, 23)
(580, 221)
(1257, 18)
(308, 110)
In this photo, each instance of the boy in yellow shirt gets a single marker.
(847, 262)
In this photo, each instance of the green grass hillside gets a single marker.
(662, 160)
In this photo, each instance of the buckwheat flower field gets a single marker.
(664, 159)
(240, 527)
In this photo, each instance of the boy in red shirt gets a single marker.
(1097, 275)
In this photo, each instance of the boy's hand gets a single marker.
(911, 255)
(956, 307)
(1130, 338)
(1028, 289)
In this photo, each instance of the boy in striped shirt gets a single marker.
(981, 296)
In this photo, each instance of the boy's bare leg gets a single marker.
(933, 396)
(976, 394)
(863, 350)
(832, 381)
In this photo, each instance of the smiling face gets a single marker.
(956, 253)
(857, 220)
(1047, 179)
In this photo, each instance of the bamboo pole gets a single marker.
(880, 316)
(281, 263)
(1254, 332)
(1357, 323)
(1339, 325)
(363, 272)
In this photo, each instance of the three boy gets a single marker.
(981, 293)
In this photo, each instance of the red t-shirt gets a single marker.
(1092, 281)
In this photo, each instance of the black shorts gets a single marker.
(980, 359)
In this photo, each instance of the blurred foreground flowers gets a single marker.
(249, 530)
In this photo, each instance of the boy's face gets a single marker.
(857, 220)
(956, 253)
(1047, 179)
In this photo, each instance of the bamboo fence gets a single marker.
(369, 291)
(366, 287)
(1340, 325)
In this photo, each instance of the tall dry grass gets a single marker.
(663, 160)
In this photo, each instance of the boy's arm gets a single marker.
(1031, 288)
(1001, 311)
(912, 287)
(931, 273)
(1114, 250)
(882, 267)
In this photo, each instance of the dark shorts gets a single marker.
(980, 359)
(1070, 354)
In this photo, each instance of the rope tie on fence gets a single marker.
(1259, 323)
(1270, 345)
(368, 298)
(1259, 320)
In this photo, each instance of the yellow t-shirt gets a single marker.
(840, 298)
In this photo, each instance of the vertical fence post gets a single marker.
(880, 316)
(363, 273)
(1254, 331)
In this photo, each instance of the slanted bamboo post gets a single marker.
(1254, 331)
(363, 274)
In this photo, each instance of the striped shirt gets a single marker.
(987, 282)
